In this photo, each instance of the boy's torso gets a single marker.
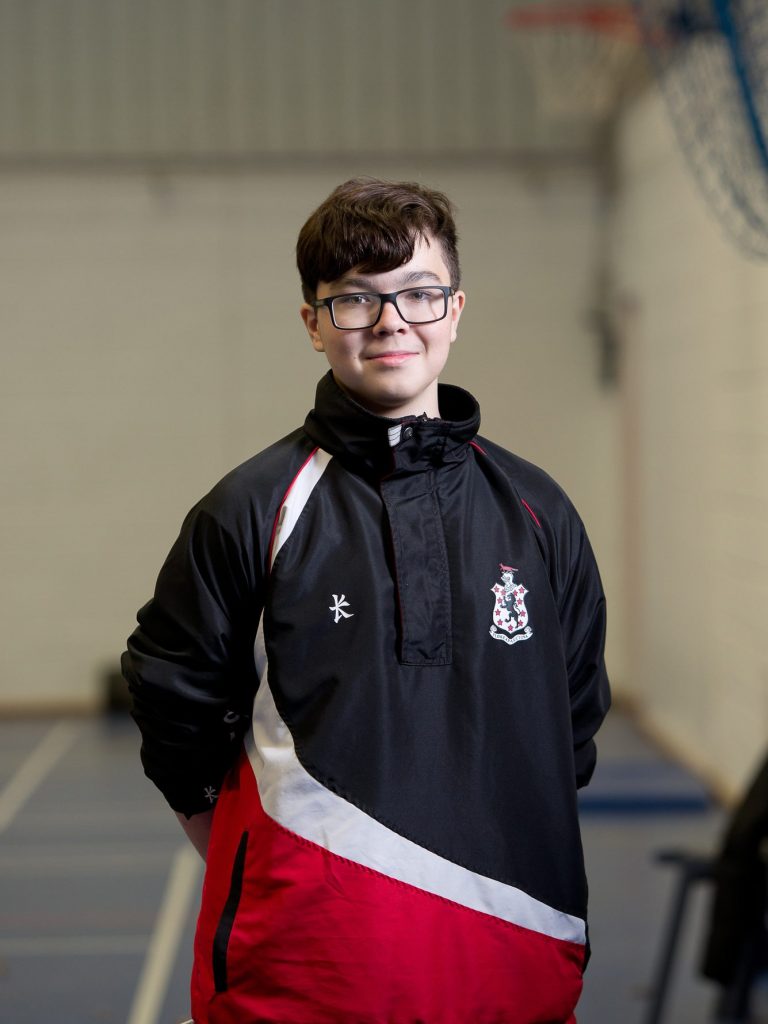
(411, 729)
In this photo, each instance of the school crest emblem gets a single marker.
(510, 616)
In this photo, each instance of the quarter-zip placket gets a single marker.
(419, 553)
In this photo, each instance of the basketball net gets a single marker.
(580, 55)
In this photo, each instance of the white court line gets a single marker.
(74, 945)
(30, 864)
(166, 938)
(34, 769)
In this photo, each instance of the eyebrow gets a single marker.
(368, 285)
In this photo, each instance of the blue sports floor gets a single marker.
(99, 888)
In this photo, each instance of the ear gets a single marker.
(309, 316)
(457, 305)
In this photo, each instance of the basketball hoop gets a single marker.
(605, 19)
(580, 55)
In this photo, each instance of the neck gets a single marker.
(425, 405)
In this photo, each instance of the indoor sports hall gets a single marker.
(608, 160)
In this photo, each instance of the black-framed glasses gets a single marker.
(358, 310)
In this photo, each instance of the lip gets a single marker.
(395, 358)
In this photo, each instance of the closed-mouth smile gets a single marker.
(394, 358)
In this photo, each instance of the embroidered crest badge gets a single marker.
(510, 616)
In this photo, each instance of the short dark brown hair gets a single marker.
(374, 225)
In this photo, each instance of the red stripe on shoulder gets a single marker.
(531, 513)
(283, 500)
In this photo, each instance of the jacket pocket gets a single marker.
(227, 919)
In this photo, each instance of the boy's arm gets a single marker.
(189, 665)
(198, 830)
(582, 615)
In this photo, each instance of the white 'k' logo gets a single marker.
(336, 608)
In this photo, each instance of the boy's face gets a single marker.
(391, 368)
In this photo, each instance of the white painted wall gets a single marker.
(151, 341)
(697, 460)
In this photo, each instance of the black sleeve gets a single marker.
(582, 615)
(189, 665)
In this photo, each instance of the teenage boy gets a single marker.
(377, 649)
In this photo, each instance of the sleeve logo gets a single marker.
(510, 616)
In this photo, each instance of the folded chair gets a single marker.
(736, 944)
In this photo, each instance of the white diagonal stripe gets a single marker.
(297, 801)
(297, 496)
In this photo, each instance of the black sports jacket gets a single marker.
(378, 644)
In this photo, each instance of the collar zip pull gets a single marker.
(393, 434)
(399, 432)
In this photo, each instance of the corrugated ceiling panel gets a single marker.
(239, 78)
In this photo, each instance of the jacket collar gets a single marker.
(360, 439)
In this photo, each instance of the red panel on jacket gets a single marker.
(317, 939)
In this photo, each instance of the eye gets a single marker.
(359, 299)
(423, 294)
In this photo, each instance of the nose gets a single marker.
(389, 319)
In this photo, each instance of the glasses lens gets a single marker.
(415, 305)
(422, 305)
(355, 311)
